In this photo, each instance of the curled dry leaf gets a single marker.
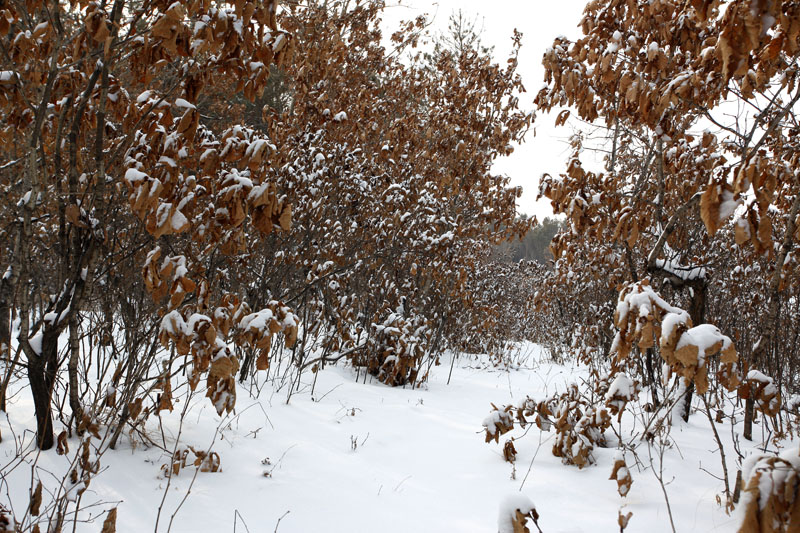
(509, 451)
(36, 499)
(110, 523)
(622, 476)
(623, 520)
(498, 422)
(62, 447)
(771, 497)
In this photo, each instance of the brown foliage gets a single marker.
(771, 496)
(622, 476)
(509, 451)
(63, 447)
(103, 100)
(110, 523)
(670, 203)
(643, 316)
(36, 499)
(579, 426)
(189, 456)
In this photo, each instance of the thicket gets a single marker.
(676, 274)
(197, 193)
(200, 193)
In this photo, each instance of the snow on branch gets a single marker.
(642, 316)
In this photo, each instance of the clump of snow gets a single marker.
(36, 343)
(496, 418)
(133, 175)
(258, 321)
(142, 98)
(279, 43)
(793, 403)
(174, 325)
(728, 204)
(704, 337)
(670, 322)
(683, 272)
(773, 473)
(508, 511)
(180, 102)
(768, 397)
(178, 221)
(621, 387)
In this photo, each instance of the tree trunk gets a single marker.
(246, 363)
(749, 408)
(42, 377)
(5, 345)
(7, 284)
(651, 376)
(72, 369)
(687, 401)
(697, 311)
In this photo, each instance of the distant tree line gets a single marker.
(534, 245)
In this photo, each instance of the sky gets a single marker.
(540, 22)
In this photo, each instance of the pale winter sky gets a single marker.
(540, 22)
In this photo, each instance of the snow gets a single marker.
(7, 75)
(704, 337)
(179, 221)
(145, 96)
(494, 419)
(258, 321)
(26, 198)
(180, 102)
(36, 343)
(173, 324)
(683, 272)
(670, 322)
(621, 387)
(167, 161)
(420, 464)
(133, 175)
(279, 43)
(163, 214)
(508, 510)
(755, 375)
(773, 478)
(340, 116)
(728, 204)
(769, 390)
(640, 300)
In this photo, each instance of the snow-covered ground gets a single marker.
(355, 457)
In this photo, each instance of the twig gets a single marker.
(660, 475)
(401, 482)
(721, 449)
(279, 521)
(236, 514)
(530, 466)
